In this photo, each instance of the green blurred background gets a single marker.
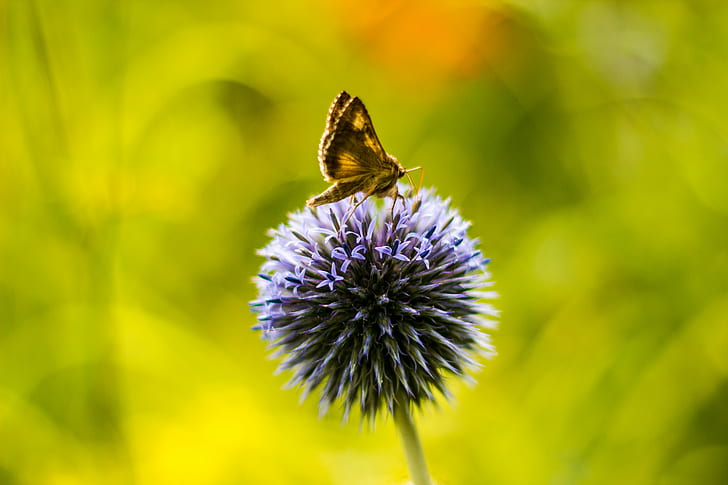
(146, 147)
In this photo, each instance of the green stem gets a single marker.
(411, 442)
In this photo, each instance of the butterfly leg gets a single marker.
(351, 212)
(353, 204)
(396, 196)
(422, 178)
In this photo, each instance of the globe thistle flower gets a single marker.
(379, 310)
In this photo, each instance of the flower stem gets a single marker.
(411, 442)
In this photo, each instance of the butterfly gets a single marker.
(352, 159)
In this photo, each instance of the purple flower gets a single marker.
(379, 308)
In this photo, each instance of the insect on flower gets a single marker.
(381, 314)
(352, 158)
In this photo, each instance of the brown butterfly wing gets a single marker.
(331, 119)
(350, 147)
(342, 189)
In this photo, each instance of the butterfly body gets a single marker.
(351, 157)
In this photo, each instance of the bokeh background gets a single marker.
(146, 147)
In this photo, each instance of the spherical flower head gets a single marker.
(378, 310)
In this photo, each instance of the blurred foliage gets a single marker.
(146, 146)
